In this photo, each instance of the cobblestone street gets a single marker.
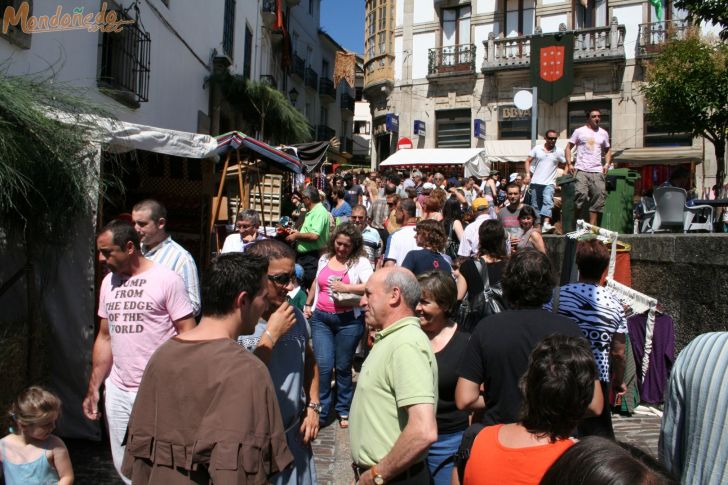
(92, 461)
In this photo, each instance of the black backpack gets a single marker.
(488, 302)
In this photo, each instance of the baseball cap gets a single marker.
(480, 203)
(512, 177)
(428, 186)
(299, 271)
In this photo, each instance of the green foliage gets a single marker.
(715, 11)
(47, 173)
(266, 108)
(687, 90)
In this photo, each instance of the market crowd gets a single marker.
(473, 365)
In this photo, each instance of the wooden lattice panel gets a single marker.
(270, 187)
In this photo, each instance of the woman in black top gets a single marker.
(434, 309)
(431, 238)
(492, 253)
(452, 216)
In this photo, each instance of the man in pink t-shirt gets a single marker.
(141, 305)
(591, 143)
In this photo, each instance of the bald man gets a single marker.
(399, 377)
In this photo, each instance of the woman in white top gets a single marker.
(336, 323)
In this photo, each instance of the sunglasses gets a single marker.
(551, 138)
(356, 218)
(281, 279)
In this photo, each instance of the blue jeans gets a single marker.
(542, 199)
(445, 447)
(335, 337)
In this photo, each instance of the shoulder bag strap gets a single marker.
(555, 300)
(484, 275)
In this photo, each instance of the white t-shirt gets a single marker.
(545, 163)
(401, 242)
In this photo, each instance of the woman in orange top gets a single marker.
(561, 384)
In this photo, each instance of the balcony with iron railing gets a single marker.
(298, 67)
(656, 34)
(347, 102)
(346, 145)
(590, 45)
(452, 60)
(311, 79)
(326, 89)
(268, 12)
(324, 133)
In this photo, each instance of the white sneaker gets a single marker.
(547, 228)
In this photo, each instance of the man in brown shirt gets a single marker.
(206, 411)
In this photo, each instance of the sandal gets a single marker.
(343, 422)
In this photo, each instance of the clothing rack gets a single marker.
(583, 228)
(639, 303)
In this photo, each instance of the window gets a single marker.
(325, 68)
(248, 52)
(578, 113)
(590, 13)
(124, 67)
(361, 127)
(15, 35)
(310, 6)
(656, 135)
(453, 128)
(324, 116)
(228, 32)
(359, 93)
(519, 17)
(456, 26)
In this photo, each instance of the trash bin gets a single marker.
(568, 211)
(618, 212)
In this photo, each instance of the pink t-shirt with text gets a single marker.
(141, 311)
(589, 147)
(324, 280)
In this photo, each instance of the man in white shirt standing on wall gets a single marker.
(546, 159)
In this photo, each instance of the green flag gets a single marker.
(659, 9)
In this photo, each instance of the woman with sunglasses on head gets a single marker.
(335, 316)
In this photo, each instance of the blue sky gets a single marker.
(344, 21)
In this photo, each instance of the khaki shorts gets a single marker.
(590, 188)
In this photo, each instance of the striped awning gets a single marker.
(235, 140)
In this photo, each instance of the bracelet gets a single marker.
(306, 305)
(270, 336)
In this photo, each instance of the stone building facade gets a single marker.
(452, 67)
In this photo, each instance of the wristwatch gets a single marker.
(317, 407)
(376, 477)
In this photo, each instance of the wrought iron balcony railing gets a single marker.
(311, 79)
(656, 34)
(347, 102)
(449, 60)
(326, 88)
(592, 44)
(298, 67)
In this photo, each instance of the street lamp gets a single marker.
(293, 96)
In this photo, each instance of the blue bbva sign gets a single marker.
(392, 123)
(419, 128)
(479, 128)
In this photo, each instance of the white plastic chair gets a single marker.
(670, 209)
(648, 213)
(698, 218)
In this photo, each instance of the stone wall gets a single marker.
(686, 273)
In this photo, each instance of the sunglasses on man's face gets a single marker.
(281, 279)
(551, 138)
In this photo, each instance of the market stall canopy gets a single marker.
(659, 155)
(312, 155)
(512, 150)
(472, 159)
(236, 140)
(124, 137)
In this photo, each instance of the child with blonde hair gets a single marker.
(30, 454)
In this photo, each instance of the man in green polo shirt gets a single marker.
(392, 418)
(313, 235)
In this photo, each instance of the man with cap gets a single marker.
(469, 243)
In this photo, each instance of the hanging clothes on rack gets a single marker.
(654, 383)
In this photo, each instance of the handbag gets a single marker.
(343, 298)
(489, 302)
(453, 245)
